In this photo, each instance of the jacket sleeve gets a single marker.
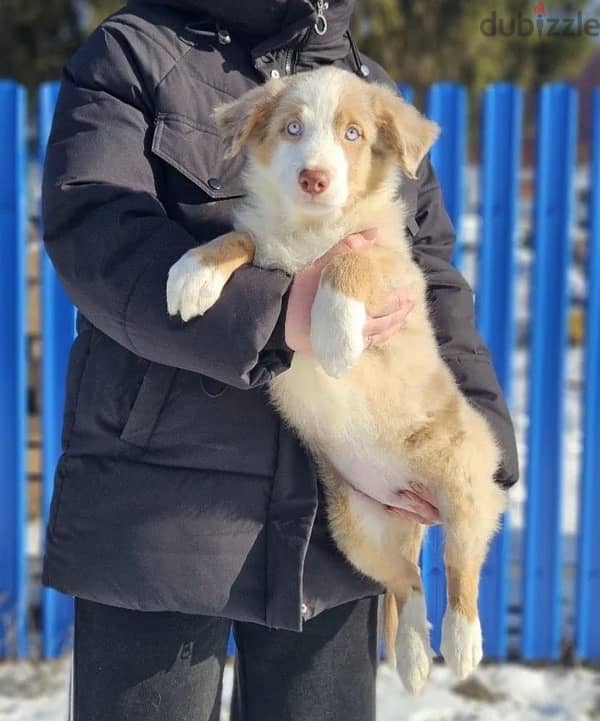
(112, 243)
(452, 312)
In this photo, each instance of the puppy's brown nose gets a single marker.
(314, 181)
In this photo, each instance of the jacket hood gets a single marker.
(275, 23)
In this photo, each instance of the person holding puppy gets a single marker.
(183, 507)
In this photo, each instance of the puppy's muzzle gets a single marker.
(315, 181)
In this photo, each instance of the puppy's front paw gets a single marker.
(193, 286)
(462, 643)
(336, 331)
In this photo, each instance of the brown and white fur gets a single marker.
(378, 420)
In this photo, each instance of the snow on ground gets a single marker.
(495, 693)
(34, 691)
(38, 692)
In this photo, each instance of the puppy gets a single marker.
(326, 154)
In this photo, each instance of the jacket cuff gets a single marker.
(276, 341)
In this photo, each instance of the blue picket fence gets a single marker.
(58, 331)
(13, 218)
(502, 113)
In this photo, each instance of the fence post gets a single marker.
(58, 325)
(500, 158)
(555, 161)
(13, 390)
(588, 580)
(447, 104)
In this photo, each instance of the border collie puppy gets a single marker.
(326, 154)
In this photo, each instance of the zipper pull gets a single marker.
(321, 22)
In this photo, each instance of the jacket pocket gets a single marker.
(77, 363)
(197, 152)
(186, 420)
(181, 419)
(151, 397)
(59, 483)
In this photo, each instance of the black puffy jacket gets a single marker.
(178, 488)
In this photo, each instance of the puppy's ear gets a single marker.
(246, 118)
(403, 129)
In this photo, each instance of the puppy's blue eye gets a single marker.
(352, 133)
(294, 128)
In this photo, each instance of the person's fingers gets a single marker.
(410, 516)
(355, 241)
(377, 326)
(321, 262)
(380, 329)
(412, 503)
(360, 241)
(421, 490)
(377, 341)
(397, 300)
(416, 504)
(369, 233)
(421, 505)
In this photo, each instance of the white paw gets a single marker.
(462, 643)
(413, 652)
(192, 286)
(336, 331)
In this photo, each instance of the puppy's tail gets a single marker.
(390, 626)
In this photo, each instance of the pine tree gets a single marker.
(417, 41)
(36, 37)
(420, 42)
(101, 9)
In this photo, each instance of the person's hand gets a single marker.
(418, 505)
(383, 323)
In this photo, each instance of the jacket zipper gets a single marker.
(293, 55)
(320, 27)
(288, 61)
(321, 22)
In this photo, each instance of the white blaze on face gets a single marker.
(317, 147)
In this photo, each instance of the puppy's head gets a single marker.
(322, 140)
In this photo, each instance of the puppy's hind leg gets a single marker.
(386, 549)
(406, 629)
(469, 530)
(413, 654)
(457, 448)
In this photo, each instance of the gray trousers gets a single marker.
(136, 666)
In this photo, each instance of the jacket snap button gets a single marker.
(215, 183)
(304, 609)
(275, 73)
(212, 388)
(224, 37)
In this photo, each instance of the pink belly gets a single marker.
(373, 474)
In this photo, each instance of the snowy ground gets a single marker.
(496, 693)
(33, 692)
